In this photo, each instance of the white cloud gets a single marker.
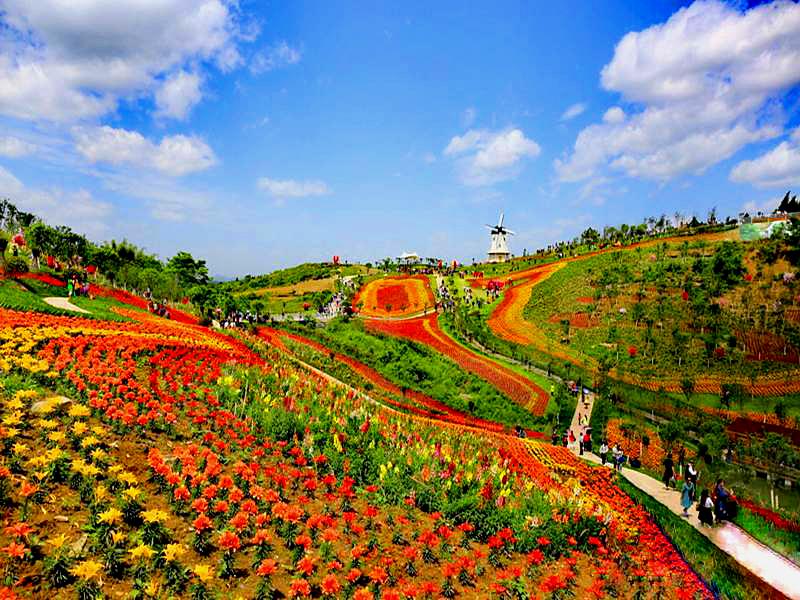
(276, 57)
(174, 155)
(485, 157)
(780, 167)
(290, 188)
(66, 61)
(14, 147)
(468, 116)
(77, 209)
(614, 115)
(709, 81)
(178, 95)
(573, 111)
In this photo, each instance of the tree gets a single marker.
(687, 387)
(189, 271)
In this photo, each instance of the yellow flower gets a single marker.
(118, 537)
(37, 461)
(98, 454)
(79, 428)
(14, 418)
(58, 541)
(40, 475)
(10, 432)
(110, 516)
(99, 430)
(56, 436)
(19, 448)
(154, 516)
(142, 551)
(132, 493)
(47, 424)
(89, 440)
(114, 469)
(14, 404)
(128, 477)
(100, 492)
(88, 569)
(203, 572)
(174, 551)
(78, 410)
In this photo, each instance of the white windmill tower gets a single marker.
(498, 251)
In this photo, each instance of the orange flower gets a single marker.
(229, 541)
(267, 568)
(330, 585)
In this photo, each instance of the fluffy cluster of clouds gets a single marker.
(174, 155)
(703, 85)
(63, 61)
(484, 157)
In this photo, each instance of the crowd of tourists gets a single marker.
(714, 504)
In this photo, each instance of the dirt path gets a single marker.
(774, 569)
(64, 304)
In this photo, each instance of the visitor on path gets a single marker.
(725, 507)
(603, 452)
(669, 471)
(692, 475)
(554, 437)
(687, 493)
(617, 455)
(587, 441)
(580, 444)
(705, 508)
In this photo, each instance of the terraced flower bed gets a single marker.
(425, 330)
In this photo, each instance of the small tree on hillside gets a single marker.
(687, 387)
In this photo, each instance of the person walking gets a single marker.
(687, 492)
(705, 509)
(692, 475)
(603, 452)
(669, 471)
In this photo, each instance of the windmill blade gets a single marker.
(500, 222)
(509, 231)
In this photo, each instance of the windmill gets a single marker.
(498, 252)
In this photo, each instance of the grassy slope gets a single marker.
(406, 363)
(28, 295)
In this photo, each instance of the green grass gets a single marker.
(28, 294)
(716, 567)
(785, 542)
(412, 365)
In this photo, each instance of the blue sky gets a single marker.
(262, 135)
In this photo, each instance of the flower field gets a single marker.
(153, 458)
(426, 330)
(388, 392)
(508, 322)
(394, 297)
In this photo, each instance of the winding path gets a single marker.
(64, 304)
(770, 567)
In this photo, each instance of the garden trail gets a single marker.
(64, 304)
(769, 566)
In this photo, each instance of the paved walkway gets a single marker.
(64, 304)
(769, 566)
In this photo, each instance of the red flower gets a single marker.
(14, 550)
(632, 351)
(229, 541)
(19, 530)
(552, 583)
(300, 587)
(330, 585)
(353, 575)
(306, 565)
(202, 523)
(267, 568)
(535, 557)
